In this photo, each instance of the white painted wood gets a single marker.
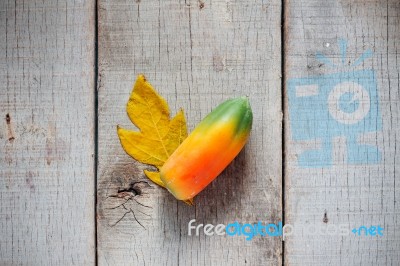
(196, 54)
(46, 133)
(344, 193)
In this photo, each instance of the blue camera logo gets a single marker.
(333, 105)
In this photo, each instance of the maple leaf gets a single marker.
(158, 135)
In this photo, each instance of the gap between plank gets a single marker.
(96, 122)
(283, 94)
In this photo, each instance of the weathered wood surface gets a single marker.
(196, 54)
(46, 133)
(351, 194)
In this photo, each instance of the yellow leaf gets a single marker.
(177, 131)
(155, 177)
(189, 202)
(141, 147)
(158, 135)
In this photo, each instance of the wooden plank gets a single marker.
(196, 54)
(334, 105)
(46, 133)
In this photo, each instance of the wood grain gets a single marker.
(196, 54)
(46, 133)
(342, 193)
